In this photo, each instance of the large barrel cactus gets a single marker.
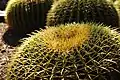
(67, 52)
(24, 16)
(67, 11)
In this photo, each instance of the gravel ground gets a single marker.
(5, 51)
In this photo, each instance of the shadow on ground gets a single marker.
(11, 38)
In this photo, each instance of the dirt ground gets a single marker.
(5, 51)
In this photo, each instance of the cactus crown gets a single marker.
(66, 38)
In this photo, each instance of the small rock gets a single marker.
(2, 51)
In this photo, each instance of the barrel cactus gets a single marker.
(24, 16)
(67, 11)
(117, 6)
(67, 52)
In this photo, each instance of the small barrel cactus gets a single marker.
(24, 16)
(67, 11)
(67, 52)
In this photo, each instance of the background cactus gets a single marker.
(67, 11)
(25, 16)
(117, 6)
(67, 52)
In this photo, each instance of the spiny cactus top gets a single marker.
(67, 52)
(67, 11)
(24, 16)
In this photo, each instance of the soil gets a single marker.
(5, 51)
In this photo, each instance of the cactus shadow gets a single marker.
(10, 37)
(114, 75)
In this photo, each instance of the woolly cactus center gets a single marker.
(66, 38)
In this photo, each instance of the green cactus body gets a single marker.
(117, 6)
(25, 16)
(67, 52)
(67, 11)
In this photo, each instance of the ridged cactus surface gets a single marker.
(67, 11)
(67, 52)
(25, 16)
